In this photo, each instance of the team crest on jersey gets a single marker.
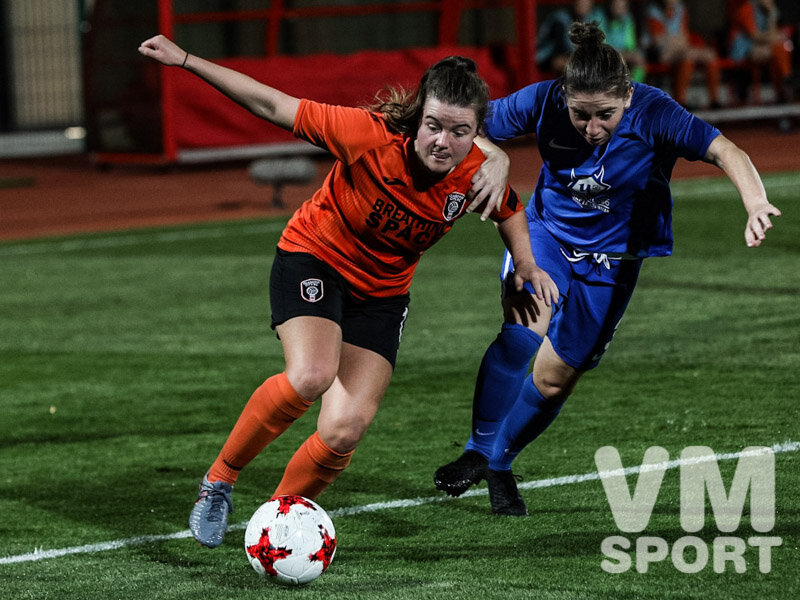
(311, 290)
(453, 205)
(590, 191)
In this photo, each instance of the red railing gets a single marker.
(449, 13)
(517, 55)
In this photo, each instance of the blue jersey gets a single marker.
(615, 198)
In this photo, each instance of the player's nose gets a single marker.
(593, 127)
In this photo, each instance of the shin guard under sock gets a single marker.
(500, 378)
(271, 409)
(531, 414)
(312, 468)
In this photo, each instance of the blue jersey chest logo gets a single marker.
(590, 192)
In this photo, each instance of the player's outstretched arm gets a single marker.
(737, 165)
(261, 100)
(516, 237)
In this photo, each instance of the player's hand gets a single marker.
(163, 50)
(544, 288)
(489, 182)
(758, 223)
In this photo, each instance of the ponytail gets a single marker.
(594, 66)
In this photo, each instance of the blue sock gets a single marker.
(531, 414)
(503, 369)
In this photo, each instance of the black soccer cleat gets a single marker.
(504, 495)
(457, 477)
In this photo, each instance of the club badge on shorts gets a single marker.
(311, 290)
(453, 205)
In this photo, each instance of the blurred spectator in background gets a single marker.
(552, 45)
(755, 35)
(669, 42)
(621, 33)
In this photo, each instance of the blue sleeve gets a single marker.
(516, 114)
(676, 128)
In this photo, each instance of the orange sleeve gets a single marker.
(345, 131)
(511, 205)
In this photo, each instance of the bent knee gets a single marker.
(342, 432)
(553, 377)
(555, 388)
(311, 381)
(342, 437)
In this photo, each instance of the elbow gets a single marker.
(261, 109)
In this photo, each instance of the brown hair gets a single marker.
(594, 66)
(453, 80)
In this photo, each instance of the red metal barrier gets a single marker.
(517, 57)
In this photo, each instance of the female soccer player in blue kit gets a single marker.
(601, 205)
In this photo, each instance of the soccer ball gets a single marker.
(290, 539)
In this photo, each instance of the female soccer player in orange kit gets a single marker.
(343, 267)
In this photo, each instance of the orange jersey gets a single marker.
(369, 220)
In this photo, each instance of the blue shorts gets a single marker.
(594, 292)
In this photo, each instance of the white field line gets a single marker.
(39, 554)
(133, 239)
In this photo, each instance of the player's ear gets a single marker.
(629, 97)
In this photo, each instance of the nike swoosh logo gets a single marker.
(479, 432)
(394, 181)
(552, 143)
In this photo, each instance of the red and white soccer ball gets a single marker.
(290, 539)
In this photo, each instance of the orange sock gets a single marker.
(782, 58)
(683, 78)
(312, 468)
(269, 412)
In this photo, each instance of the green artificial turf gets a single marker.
(125, 358)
